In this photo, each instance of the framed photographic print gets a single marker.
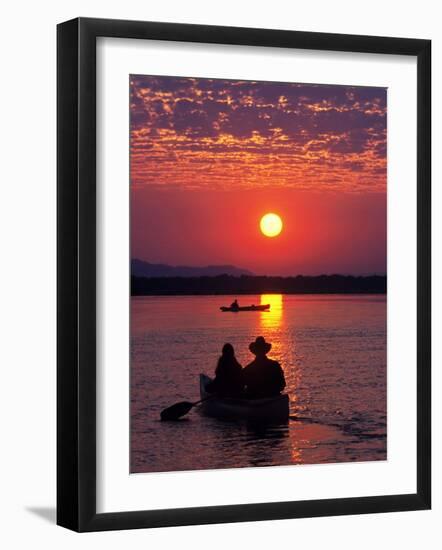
(243, 274)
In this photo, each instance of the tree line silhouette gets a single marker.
(228, 284)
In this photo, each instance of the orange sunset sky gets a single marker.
(210, 157)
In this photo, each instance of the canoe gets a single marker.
(263, 307)
(269, 409)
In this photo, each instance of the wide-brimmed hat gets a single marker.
(260, 346)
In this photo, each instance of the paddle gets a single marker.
(180, 409)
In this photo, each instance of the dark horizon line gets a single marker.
(247, 284)
(251, 273)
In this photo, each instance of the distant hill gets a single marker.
(139, 268)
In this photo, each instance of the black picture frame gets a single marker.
(76, 274)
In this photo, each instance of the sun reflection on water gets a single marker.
(274, 329)
(271, 323)
(272, 319)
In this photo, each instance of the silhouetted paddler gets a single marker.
(228, 380)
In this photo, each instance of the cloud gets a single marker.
(205, 133)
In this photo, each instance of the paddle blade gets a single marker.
(176, 411)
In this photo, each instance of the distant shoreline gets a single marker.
(230, 285)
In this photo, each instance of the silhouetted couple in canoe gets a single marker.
(263, 377)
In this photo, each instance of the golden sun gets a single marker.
(271, 225)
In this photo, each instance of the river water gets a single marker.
(333, 352)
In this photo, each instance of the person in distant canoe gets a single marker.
(234, 305)
(263, 377)
(228, 380)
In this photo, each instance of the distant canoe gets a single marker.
(268, 409)
(263, 307)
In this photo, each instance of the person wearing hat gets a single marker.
(263, 377)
